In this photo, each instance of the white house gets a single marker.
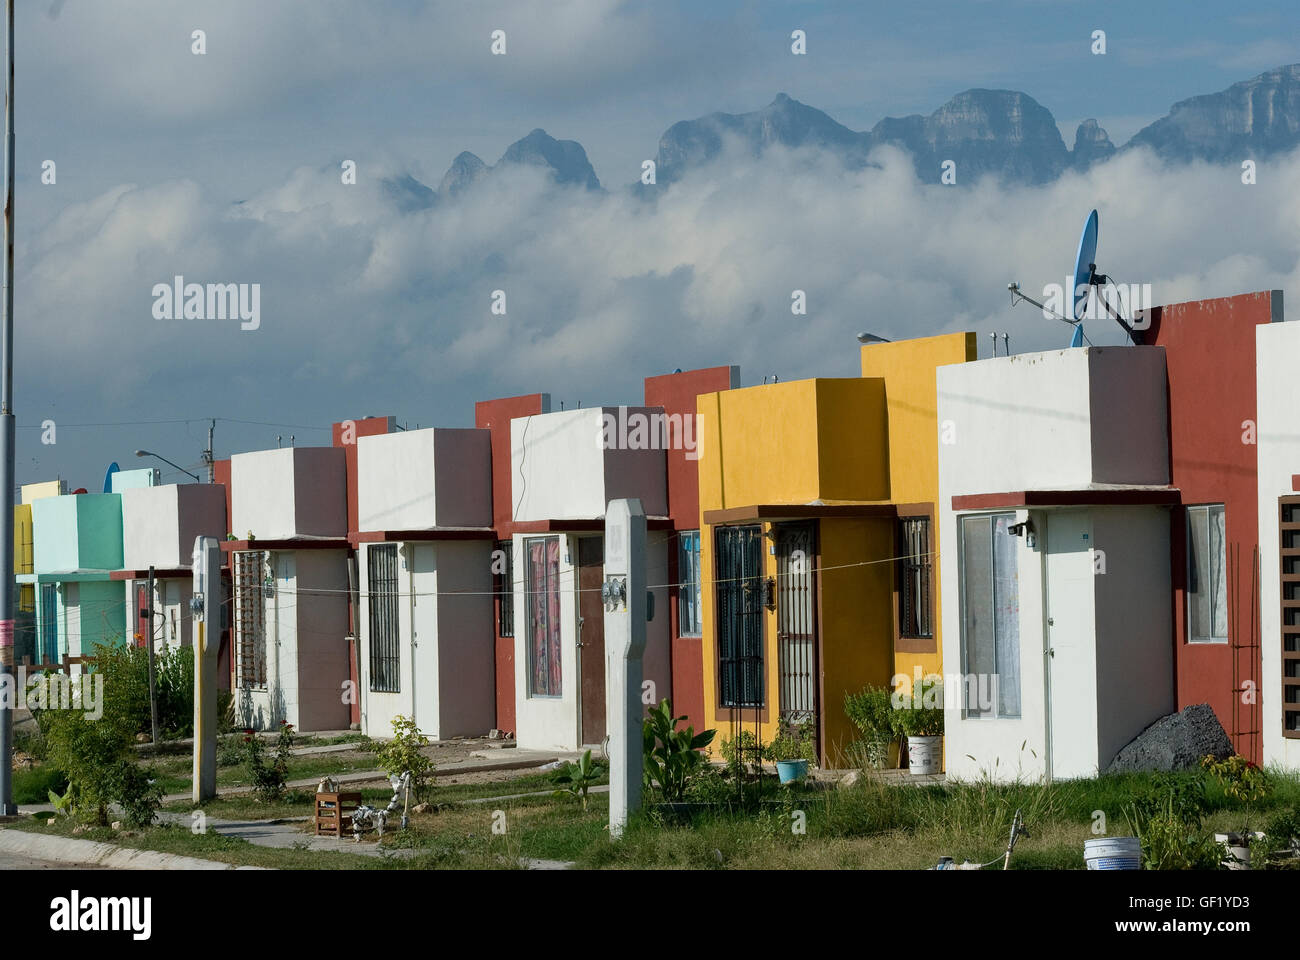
(425, 555)
(565, 467)
(159, 525)
(289, 574)
(1054, 498)
(1278, 452)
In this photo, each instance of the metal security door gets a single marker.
(591, 637)
(740, 616)
(796, 618)
(49, 623)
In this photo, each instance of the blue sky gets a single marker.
(224, 168)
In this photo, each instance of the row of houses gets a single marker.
(1080, 541)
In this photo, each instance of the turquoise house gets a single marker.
(77, 543)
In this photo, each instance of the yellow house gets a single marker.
(810, 493)
(25, 616)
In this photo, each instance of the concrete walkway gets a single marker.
(71, 851)
(481, 762)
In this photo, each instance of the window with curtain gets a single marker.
(542, 580)
(506, 590)
(990, 599)
(688, 578)
(1207, 582)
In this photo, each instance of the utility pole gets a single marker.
(7, 805)
(153, 690)
(207, 454)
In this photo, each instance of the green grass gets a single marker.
(34, 785)
(874, 825)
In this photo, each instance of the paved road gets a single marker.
(10, 861)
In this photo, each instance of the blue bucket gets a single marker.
(791, 770)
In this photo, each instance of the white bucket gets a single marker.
(1238, 854)
(923, 755)
(1113, 853)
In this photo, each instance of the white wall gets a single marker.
(1060, 419)
(421, 479)
(561, 470)
(159, 524)
(306, 648)
(1135, 645)
(1278, 452)
(547, 723)
(291, 492)
(447, 589)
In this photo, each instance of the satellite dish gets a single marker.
(1085, 264)
(1085, 277)
(108, 477)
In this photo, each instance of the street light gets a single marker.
(872, 338)
(146, 453)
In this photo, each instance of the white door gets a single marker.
(1069, 649)
(424, 635)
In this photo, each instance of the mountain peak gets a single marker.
(1255, 117)
(566, 159)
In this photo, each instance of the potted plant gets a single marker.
(871, 712)
(921, 722)
(793, 751)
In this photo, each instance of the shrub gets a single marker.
(671, 757)
(1167, 821)
(269, 775)
(922, 712)
(1240, 778)
(34, 785)
(746, 747)
(405, 753)
(101, 768)
(872, 713)
(794, 742)
(1280, 845)
(126, 687)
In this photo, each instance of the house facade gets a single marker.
(425, 555)
(817, 502)
(1054, 504)
(77, 544)
(289, 580)
(569, 465)
(159, 526)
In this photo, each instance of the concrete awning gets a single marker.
(294, 543)
(358, 537)
(754, 513)
(1096, 494)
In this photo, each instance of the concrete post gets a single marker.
(624, 594)
(206, 606)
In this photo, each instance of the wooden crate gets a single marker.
(334, 813)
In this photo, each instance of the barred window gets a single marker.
(915, 576)
(250, 620)
(385, 661)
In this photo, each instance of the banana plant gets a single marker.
(576, 779)
(672, 756)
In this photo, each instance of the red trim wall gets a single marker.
(495, 416)
(364, 427)
(677, 394)
(1210, 358)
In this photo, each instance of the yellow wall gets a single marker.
(22, 538)
(39, 491)
(867, 440)
(908, 370)
(795, 443)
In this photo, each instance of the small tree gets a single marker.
(405, 753)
